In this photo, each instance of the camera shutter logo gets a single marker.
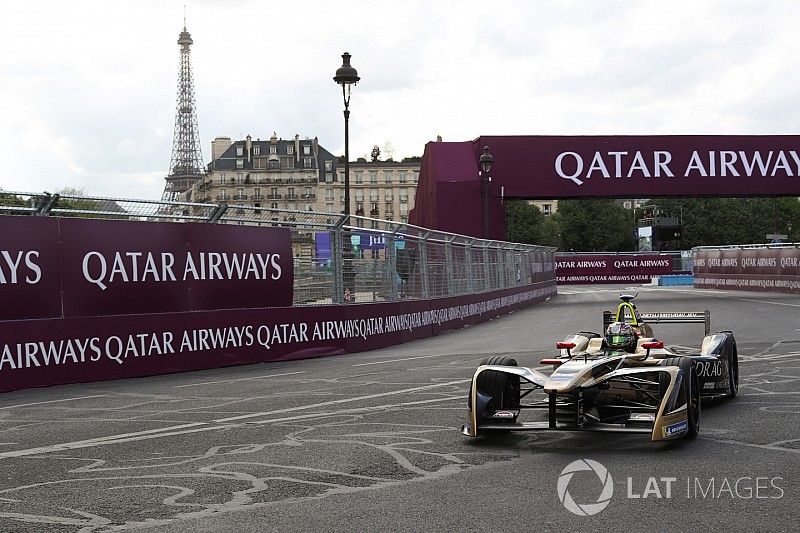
(585, 509)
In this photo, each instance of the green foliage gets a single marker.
(595, 225)
(721, 221)
(523, 222)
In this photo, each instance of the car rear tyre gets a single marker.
(691, 391)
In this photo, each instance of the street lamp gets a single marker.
(486, 161)
(346, 76)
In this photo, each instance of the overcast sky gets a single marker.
(88, 89)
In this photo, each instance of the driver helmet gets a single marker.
(621, 336)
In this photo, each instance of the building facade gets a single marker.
(299, 174)
(382, 190)
(274, 173)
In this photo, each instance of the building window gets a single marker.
(273, 205)
(290, 149)
(359, 177)
(328, 195)
(239, 150)
(274, 163)
(257, 193)
(373, 176)
(239, 177)
(259, 163)
(240, 163)
(307, 149)
(273, 149)
(222, 179)
(402, 176)
(306, 162)
(387, 174)
(329, 177)
(328, 165)
(547, 209)
(256, 150)
(359, 196)
(309, 207)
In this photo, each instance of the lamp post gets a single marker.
(486, 161)
(347, 76)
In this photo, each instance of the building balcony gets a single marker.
(240, 197)
(403, 199)
(374, 213)
(309, 196)
(222, 197)
(292, 197)
(274, 196)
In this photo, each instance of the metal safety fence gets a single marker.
(336, 259)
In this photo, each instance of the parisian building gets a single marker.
(300, 175)
(274, 173)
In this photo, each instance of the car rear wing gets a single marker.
(688, 317)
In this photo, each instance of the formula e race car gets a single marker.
(625, 381)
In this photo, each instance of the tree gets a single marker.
(595, 225)
(524, 222)
(722, 221)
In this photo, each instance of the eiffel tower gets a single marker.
(186, 163)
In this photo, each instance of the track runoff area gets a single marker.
(371, 441)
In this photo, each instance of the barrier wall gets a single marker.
(579, 269)
(43, 352)
(772, 269)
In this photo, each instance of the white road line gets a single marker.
(99, 441)
(408, 359)
(55, 401)
(355, 410)
(239, 379)
(343, 400)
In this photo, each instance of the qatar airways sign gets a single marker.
(609, 268)
(52, 268)
(645, 166)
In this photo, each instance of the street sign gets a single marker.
(777, 236)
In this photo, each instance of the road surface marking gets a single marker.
(239, 379)
(55, 401)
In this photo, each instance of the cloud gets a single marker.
(87, 93)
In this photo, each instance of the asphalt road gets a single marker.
(371, 441)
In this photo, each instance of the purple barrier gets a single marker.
(62, 267)
(755, 269)
(581, 269)
(42, 352)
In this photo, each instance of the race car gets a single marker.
(625, 381)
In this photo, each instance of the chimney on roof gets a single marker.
(248, 145)
(438, 138)
(297, 147)
(219, 146)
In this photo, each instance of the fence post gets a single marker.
(423, 260)
(337, 296)
(486, 281)
(391, 267)
(468, 252)
(45, 204)
(217, 213)
(448, 267)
